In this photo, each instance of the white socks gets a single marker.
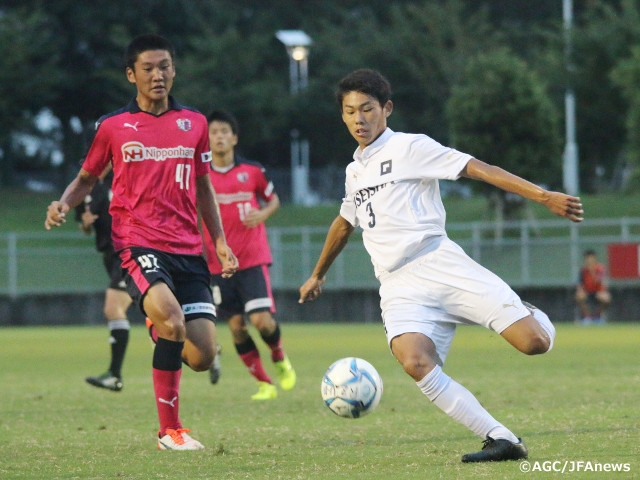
(460, 404)
(122, 324)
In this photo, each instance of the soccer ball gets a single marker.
(351, 387)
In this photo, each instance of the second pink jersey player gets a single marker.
(240, 189)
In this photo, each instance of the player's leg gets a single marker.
(116, 304)
(602, 301)
(231, 296)
(533, 334)
(249, 354)
(163, 309)
(150, 283)
(260, 307)
(419, 358)
(420, 331)
(196, 300)
(582, 301)
(166, 313)
(215, 370)
(472, 293)
(115, 308)
(200, 345)
(270, 333)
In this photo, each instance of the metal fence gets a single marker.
(524, 253)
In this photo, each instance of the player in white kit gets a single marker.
(428, 284)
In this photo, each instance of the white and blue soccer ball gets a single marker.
(351, 387)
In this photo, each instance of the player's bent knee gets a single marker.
(417, 367)
(535, 345)
(199, 363)
(199, 366)
(172, 330)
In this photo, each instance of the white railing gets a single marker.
(524, 253)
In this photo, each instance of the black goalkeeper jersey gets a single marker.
(98, 202)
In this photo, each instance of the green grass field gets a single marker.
(577, 403)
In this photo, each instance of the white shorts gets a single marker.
(443, 288)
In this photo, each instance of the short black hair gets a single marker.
(367, 81)
(226, 117)
(589, 252)
(144, 43)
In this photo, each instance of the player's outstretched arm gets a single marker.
(559, 203)
(337, 238)
(75, 193)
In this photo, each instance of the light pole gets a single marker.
(297, 44)
(570, 156)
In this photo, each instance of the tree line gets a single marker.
(486, 76)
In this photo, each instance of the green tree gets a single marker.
(603, 36)
(28, 75)
(228, 56)
(627, 76)
(500, 112)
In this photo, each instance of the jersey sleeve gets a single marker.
(264, 186)
(203, 152)
(99, 154)
(348, 207)
(432, 160)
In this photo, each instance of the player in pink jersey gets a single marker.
(246, 199)
(160, 155)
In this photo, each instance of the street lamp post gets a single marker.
(570, 156)
(297, 44)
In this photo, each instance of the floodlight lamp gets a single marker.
(299, 53)
(293, 38)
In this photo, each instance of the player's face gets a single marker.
(222, 140)
(365, 118)
(590, 261)
(153, 75)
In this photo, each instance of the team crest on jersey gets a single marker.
(385, 167)
(184, 124)
(242, 177)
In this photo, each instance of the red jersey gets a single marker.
(156, 160)
(593, 282)
(239, 190)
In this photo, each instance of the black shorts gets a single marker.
(186, 275)
(247, 291)
(113, 265)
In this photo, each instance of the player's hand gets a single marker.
(565, 205)
(253, 218)
(88, 218)
(56, 213)
(228, 261)
(311, 289)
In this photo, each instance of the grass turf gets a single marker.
(577, 403)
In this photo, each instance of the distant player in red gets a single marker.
(592, 294)
(246, 198)
(160, 154)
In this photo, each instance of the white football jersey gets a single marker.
(392, 193)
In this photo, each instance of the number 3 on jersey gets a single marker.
(372, 216)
